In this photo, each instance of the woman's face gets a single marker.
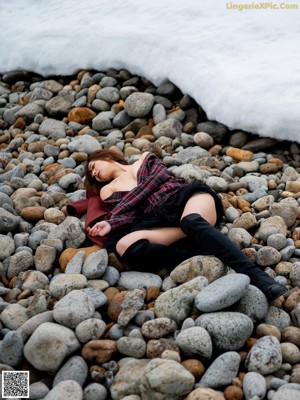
(101, 170)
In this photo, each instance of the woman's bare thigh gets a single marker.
(203, 204)
(165, 236)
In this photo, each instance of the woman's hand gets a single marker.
(101, 228)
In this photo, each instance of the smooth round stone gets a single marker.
(240, 236)
(139, 104)
(278, 317)
(31, 280)
(205, 393)
(222, 293)
(143, 316)
(11, 349)
(254, 304)
(38, 390)
(245, 221)
(54, 216)
(8, 221)
(95, 391)
(14, 316)
(70, 181)
(27, 329)
(278, 241)
(74, 369)
(19, 262)
(286, 394)
(265, 356)
(44, 258)
(208, 266)
(7, 247)
(271, 226)
(159, 113)
(228, 330)
(166, 379)
(158, 327)
(90, 329)
(95, 264)
(177, 303)
(86, 144)
(49, 344)
(231, 214)
(74, 308)
(67, 390)
(111, 276)
(116, 332)
(287, 252)
(195, 342)
(132, 347)
(108, 94)
(135, 279)
(62, 284)
(36, 237)
(267, 256)
(254, 384)
(217, 183)
(97, 297)
(290, 353)
(203, 140)
(132, 303)
(219, 373)
(170, 128)
(288, 209)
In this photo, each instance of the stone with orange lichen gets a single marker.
(110, 293)
(241, 203)
(81, 115)
(100, 351)
(20, 123)
(115, 306)
(267, 330)
(268, 168)
(152, 294)
(33, 213)
(195, 367)
(238, 154)
(69, 253)
(233, 393)
(277, 161)
(292, 301)
(145, 130)
(291, 334)
(155, 347)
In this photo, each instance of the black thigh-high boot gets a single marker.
(145, 256)
(217, 244)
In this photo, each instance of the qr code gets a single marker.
(15, 384)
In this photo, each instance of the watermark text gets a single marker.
(261, 6)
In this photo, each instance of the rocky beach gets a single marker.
(74, 317)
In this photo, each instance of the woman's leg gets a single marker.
(153, 250)
(197, 220)
(163, 236)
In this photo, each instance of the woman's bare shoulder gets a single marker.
(144, 155)
(106, 191)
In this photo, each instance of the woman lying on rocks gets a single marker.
(153, 215)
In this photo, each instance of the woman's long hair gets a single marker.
(90, 183)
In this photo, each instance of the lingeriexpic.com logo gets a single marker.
(261, 6)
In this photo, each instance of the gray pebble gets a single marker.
(94, 391)
(97, 297)
(90, 329)
(158, 327)
(95, 264)
(265, 356)
(195, 342)
(67, 390)
(135, 279)
(222, 293)
(254, 304)
(11, 349)
(74, 369)
(277, 317)
(132, 347)
(74, 308)
(38, 390)
(222, 371)
(254, 384)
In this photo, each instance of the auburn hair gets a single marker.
(106, 154)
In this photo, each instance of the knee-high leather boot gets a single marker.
(151, 257)
(217, 244)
